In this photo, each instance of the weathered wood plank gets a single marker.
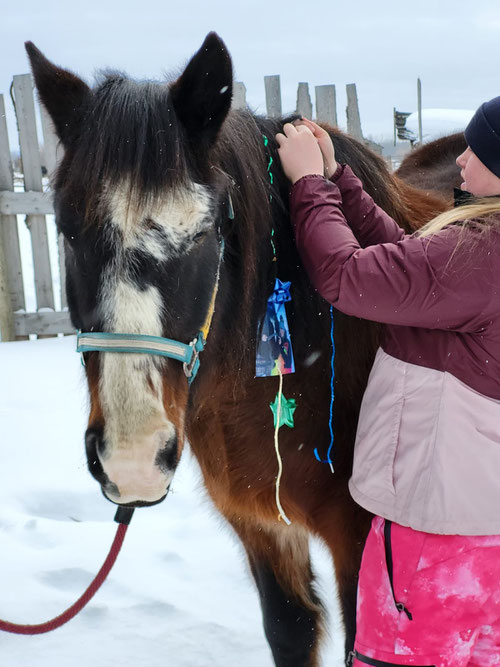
(6, 171)
(8, 223)
(273, 95)
(304, 104)
(25, 203)
(239, 95)
(352, 111)
(62, 271)
(326, 105)
(32, 170)
(6, 319)
(42, 323)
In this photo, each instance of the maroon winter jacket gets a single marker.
(439, 309)
(427, 451)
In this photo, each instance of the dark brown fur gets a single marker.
(432, 166)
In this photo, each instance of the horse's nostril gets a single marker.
(94, 442)
(167, 457)
(94, 447)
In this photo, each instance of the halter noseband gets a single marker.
(143, 344)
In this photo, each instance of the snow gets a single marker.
(180, 594)
(439, 122)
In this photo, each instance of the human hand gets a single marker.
(325, 144)
(299, 152)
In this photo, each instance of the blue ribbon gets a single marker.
(281, 293)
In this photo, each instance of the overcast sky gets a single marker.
(453, 45)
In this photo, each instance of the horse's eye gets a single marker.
(199, 236)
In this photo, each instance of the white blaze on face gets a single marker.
(180, 216)
(136, 424)
(130, 384)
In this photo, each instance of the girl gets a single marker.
(427, 453)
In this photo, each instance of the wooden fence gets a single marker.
(27, 197)
(30, 197)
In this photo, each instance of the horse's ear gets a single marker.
(62, 93)
(202, 94)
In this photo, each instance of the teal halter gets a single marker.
(142, 344)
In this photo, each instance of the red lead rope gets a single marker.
(123, 517)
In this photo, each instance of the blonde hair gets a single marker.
(483, 212)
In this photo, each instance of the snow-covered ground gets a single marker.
(179, 595)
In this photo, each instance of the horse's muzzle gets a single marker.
(136, 473)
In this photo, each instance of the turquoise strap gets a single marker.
(116, 342)
(142, 344)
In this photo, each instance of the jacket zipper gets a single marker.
(388, 557)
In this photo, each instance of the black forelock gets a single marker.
(129, 133)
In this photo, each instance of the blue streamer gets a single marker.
(332, 398)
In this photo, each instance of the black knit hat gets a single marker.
(483, 134)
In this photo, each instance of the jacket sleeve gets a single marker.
(415, 281)
(369, 222)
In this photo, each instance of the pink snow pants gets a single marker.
(428, 600)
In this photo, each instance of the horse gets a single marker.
(432, 166)
(174, 206)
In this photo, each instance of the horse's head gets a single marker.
(139, 205)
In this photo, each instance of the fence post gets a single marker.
(419, 107)
(273, 95)
(32, 170)
(304, 104)
(11, 278)
(326, 105)
(239, 95)
(352, 111)
(6, 319)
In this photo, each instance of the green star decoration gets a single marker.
(288, 407)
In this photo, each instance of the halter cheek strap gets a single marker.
(188, 354)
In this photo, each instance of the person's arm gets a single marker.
(416, 281)
(369, 222)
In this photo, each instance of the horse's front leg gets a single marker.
(292, 612)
